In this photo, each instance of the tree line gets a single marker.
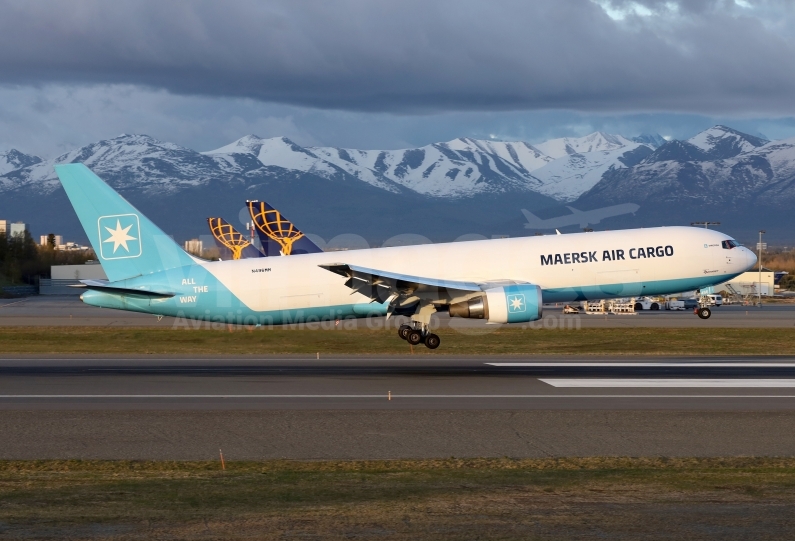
(23, 261)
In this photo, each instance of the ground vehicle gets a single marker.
(570, 310)
(674, 305)
(645, 303)
(690, 304)
(711, 300)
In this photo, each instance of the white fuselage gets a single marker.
(607, 264)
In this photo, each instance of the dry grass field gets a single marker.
(607, 498)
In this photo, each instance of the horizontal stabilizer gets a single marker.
(108, 287)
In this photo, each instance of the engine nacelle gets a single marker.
(518, 303)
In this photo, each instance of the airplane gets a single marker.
(583, 218)
(234, 244)
(498, 280)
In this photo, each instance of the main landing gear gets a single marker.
(415, 336)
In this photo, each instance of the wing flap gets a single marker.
(356, 272)
(360, 278)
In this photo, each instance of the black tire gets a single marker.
(414, 337)
(432, 341)
(404, 331)
(638, 307)
(655, 306)
(704, 313)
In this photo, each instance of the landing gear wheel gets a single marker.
(404, 331)
(432, 341)
(414, 337)
(704, 313)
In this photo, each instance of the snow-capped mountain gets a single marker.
(717, 172)
(654, 140)
(595, 142)
(180, 187)
(254, 152)
(135, 162)
(721, 142)
(441, 190)
(459, 168)
(11, 160)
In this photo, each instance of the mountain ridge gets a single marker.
(443, 189)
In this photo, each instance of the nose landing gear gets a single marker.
(703, 312)
(416, 336)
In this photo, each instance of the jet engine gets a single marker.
(518, 303)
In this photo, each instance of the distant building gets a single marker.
(748, 284)
(3, 226)
(194, 246)
(73, 246)
(17, 229)
(65, 276)
(89, 271)
(58, 240)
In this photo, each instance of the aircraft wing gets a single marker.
(400, 289)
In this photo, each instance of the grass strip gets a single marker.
(440, 499)
(505, 341)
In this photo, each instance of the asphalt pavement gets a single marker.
(391, 407)
(366, 383)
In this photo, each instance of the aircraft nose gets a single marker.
(750, 258)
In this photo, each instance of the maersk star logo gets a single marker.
(516, 303)
(119, 236)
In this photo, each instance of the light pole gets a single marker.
(761, 232)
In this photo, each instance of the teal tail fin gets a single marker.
(125, 241)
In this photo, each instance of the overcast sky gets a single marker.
(387, 74)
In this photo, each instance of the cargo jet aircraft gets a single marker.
(500, 280)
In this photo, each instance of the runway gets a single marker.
(396, 383)
(393, 407)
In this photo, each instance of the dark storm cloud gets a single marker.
(418, 56)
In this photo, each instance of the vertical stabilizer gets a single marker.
(231, 241)
(126, 243)
(274, 230)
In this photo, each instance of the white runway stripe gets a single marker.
(670, 382)
(683, 364)
(368, 396)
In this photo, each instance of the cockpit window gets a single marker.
(729, 244)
